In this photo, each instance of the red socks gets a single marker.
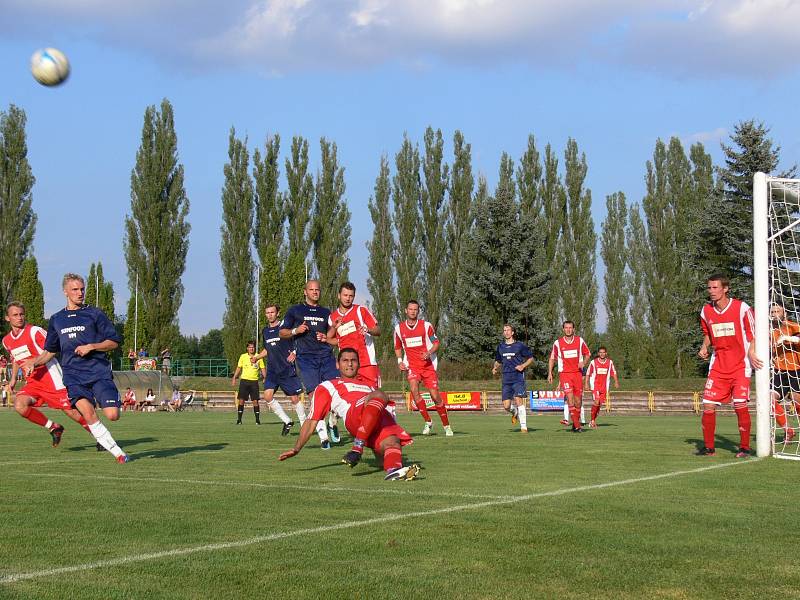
(369, 417)
(709, 423)
(423, 410)
(575, 413)
(595, 410)
(35, 417)
(743, 416)
(443, 415)
(392, 459)
(780, 414)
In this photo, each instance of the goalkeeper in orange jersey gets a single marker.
(785, 335)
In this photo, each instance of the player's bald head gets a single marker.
(311, 284)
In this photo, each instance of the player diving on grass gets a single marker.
(362, 408)
(513, 357)
(45, 385)
(82, 335)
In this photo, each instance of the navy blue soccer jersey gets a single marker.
(277, 351)
(316, 317)
(510, 356)
(69, 329)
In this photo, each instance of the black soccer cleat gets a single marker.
(287, 427)
(55, 433)
(352, 458)
(704, 451)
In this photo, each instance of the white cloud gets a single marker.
(704, 137)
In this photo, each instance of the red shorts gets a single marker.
(57, 399)
(427, 376)
(571, 382)
(721, 389)
(385, 427)
(599, 396)
(372, 374)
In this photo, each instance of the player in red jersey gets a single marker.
(728, 327)
(598, 379)
(363, 409)
(353, 326)
(44, 385)
(571, 352)
(418, 340)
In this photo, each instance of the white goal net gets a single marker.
(776, 270)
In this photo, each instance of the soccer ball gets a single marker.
(49, 66)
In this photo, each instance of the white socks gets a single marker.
(333, 419)
(278, 410)
(301, 411)
(103, 436)
(566, 411)
(523, 418)
(583, 416)
(322, 431)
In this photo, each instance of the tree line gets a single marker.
(475, 258)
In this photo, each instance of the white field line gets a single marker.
(392, 490)
(132, 558)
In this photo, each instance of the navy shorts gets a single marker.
(287, 381)
(102, 393)
(513, 390)
(315, 370)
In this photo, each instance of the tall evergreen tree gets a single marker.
(270, 217)
(330, 225)
(30, 291)
(751, 151)
(435, 216)
(579, 291)
(99, 292)
(299, 199)
(637, 348)
(135, 332)
(405, 196)
(157, 231)
(615, 258)
(554, 203)
(459, 223)
(380, 250)
(235, 251)
(16, 200)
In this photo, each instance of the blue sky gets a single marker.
(615, 75)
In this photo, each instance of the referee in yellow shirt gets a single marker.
(248, 385)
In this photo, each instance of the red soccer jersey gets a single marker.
(569, 353)
(731, 332)
(30, 343)
(414, 341)
(349, 335)
(342, 396)
(600, 374)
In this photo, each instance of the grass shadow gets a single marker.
(178, 450)
(122, 444)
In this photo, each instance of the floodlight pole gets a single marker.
(136, 316)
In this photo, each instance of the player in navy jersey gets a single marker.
(82, 335)
(307, 325)
(513, 357)
(280, 357)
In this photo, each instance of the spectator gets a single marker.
(142, 353)
(3, 368)
(166, 360)
(131, 358)
(149, 400)
(129, 400)
(176, 403)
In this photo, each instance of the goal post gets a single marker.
(776, 278)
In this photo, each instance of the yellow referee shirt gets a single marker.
(249, 371)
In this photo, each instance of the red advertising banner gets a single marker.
(452, 400)
(145, 364)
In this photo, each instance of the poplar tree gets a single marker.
(330, 226)
(435, 216)
(299, 199)
(157, 230)
(615, 258)
(235, 251)
(459, 223)
(638, 347)
(579, 291)
(99, 292)
(405, 196)
(16, 199)
(30, 292)
(270, 217)
(554, 204)
(380, 250)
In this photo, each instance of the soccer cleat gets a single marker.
(564, 422)
(743, 453)
(412, 472)
(789, 434)
(704, 451)
(577, 430)
(287, 427)
(333, 432)
(427, 429)
(352, 458)
(523, 430)
(514, 418)
(238, 422)
(593, 424)
(99, 447)
(325, 445)
(398, 474)
(448, 431)
(123, 458)
(55, 433)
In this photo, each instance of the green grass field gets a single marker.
(206, 511)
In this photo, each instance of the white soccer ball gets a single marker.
(49, 66)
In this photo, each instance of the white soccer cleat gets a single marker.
(427, 429)
(448, 431)
(396, 474)
(523, 430)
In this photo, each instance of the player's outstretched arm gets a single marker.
(308, 428)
